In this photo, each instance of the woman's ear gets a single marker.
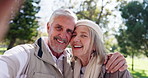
(94, 49)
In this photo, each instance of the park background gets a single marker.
(124, 23)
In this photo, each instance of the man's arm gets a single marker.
(3, 70)
(12, 62)
(115, 62)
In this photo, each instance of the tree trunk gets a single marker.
(132, 61)
(11, 44)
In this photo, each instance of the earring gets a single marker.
(93, 53)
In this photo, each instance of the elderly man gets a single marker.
(47, 57)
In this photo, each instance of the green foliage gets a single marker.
(1, 53)
(24, 25)
(111, 47)
(133, 39)
(90, 10)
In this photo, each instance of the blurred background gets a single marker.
(124, 23)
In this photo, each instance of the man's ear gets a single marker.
(48, 26)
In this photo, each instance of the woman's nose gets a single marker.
(76, 39)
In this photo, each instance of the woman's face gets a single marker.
(80, 41)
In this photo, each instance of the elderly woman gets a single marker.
(88, 48)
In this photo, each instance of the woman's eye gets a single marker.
(83, 36)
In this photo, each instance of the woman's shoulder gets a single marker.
(117, 74)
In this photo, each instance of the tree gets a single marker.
(89, 10)
(23, 26)
(133, 38)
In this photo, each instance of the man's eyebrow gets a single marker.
(59, 25)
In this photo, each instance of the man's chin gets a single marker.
(58, 50)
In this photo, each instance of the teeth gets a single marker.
(77, 46)
(60, 41)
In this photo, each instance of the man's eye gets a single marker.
(58, 28)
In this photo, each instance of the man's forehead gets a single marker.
(69, 27)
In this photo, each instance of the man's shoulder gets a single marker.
(20, 48)
(117, 74)
(27, 46)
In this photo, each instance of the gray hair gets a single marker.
(98, 45)
(96, 39)
(62, 12)
(92, 25)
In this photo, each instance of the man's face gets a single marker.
(60, 32)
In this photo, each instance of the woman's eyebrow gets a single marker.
(84, 32)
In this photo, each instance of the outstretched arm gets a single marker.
(115, 62)
(12, 62)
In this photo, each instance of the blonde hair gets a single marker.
(62, 12)
(96, 39)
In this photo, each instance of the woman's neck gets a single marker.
(84, 60)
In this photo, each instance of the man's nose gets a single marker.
(63, 35)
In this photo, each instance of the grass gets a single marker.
(2, 50)
(140, 67)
